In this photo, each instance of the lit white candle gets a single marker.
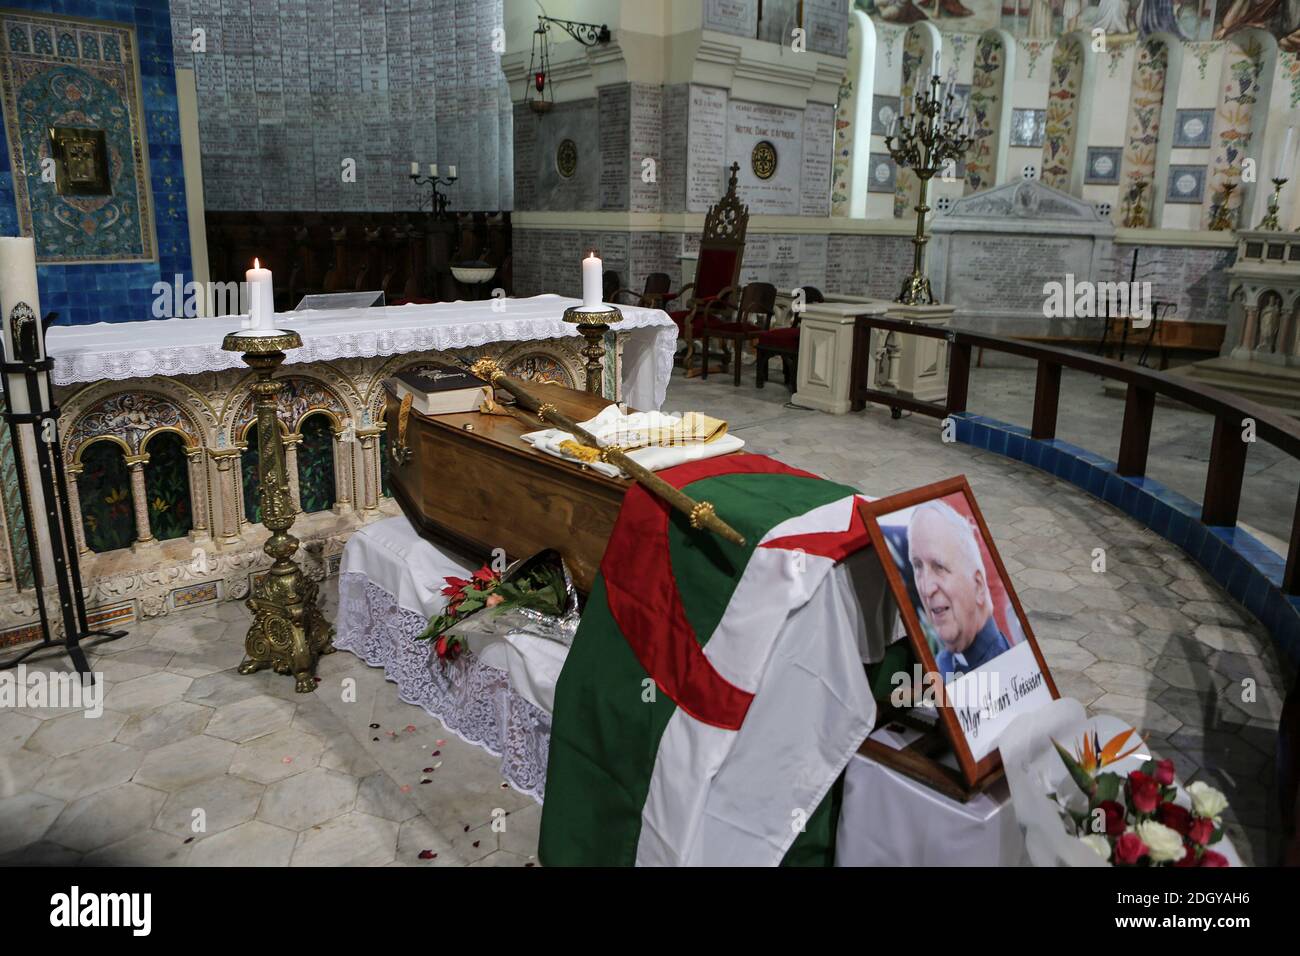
(261, 297)
(893, 125)
(452, 173)
(415, 167)
(433, 170)
(592, 294)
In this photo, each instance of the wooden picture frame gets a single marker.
(977, 769)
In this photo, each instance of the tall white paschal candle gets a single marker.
(592, 269)
(261, 297)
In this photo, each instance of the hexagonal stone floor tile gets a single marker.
(250, 844)
(187, 761)
(25, 817)
(353, 839)
(308, 799)
(210, 806)
(250, 718)
(145, 693)
(68, 734)
(106, 817)
(277, 756)
(89, 770)
(149, 848)
(166, 725)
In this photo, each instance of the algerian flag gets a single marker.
(714, 693)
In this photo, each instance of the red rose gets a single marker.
(1129, 848)
(1175, 817)
(1200, 830)
(441, 646)
(1165, 773)
(1143, 792)
(1189, 857)
(1114, 817)
(1210, 858)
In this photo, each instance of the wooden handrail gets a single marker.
(1228, 449)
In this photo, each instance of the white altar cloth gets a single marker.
(122, 350)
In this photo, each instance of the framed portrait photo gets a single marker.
(980, 664)
(1028, 127)
(1186, 184)
(883, 111)
(1103, 165)
(1193, 128)
(882, 173)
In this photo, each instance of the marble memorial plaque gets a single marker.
(672, 164)
(818, 149)
(826, 29)
(613, 110)
(737, 17)
(645, 120)
(707, 145)
(749, 124)
(980, 268)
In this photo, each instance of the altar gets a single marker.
(155, 434)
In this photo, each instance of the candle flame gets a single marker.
(255, 264)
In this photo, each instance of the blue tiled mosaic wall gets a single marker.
(83, 294)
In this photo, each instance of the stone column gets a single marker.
(140, 499)
(1249, 327)
(369, 472)
(228, 492)
(198, 494)
(291, 443)
(74, 506)
(342, 470)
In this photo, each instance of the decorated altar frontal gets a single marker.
(156, 422)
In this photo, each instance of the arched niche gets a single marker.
(852, 158)
(990, 110)
(1069, 109)
(315, 461)
(922, 46)
(104, 493)
(1240, 115)
(168, 493)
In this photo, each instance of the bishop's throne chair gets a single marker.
(717, 271)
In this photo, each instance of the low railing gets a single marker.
(1227, 464)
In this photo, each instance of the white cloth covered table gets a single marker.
(122, 350)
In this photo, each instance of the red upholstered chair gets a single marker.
(717, 271)
(784, 343)
(745, 318)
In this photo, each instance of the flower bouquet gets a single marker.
(534, 595)
(1134, 820)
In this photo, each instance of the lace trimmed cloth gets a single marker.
(113, 350)
(474, 700)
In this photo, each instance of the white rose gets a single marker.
(1164, 844)
(1098, 844)
(1206, 801)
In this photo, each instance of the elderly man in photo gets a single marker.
(950, 579)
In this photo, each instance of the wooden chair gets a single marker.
(783, 343)
(717, 271)
(657, 285)
(750, 316)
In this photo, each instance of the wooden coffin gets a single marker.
(471, 482)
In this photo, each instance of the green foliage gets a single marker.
(316, 464)
(252, 485)
(104, 486)
(167, 487)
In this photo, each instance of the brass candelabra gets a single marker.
(1274, 204)
(1221, 220)
(930, 133)
(289, 632)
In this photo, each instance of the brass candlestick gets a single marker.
(1220, 221)
(593, 323)
(1137, 213)
(930, 134)
(289, 633)
(1274, 203)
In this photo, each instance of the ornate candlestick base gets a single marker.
(289, 633)
(1221, 221)
(593, 323)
